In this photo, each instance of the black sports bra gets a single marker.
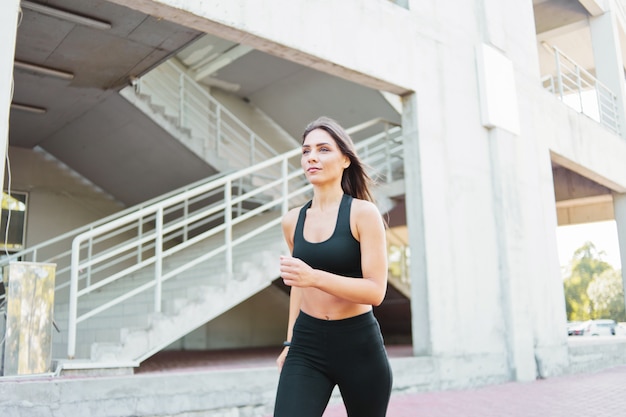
(340, 254)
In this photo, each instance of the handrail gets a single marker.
(382, 152)
(370, 123)
(204, 116)
(224, 130)
(31, 253)
(573, 85)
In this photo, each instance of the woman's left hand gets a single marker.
(281, 358)
(295, 272)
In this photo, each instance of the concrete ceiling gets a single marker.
(91, 129)
(289, 93)
(564, 24)
(86, 125)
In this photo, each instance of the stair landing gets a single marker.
(228, 359)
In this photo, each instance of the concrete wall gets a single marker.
(259, 321)
(480, 198)
(307, 33)
(248, 392)
(242, 392)
(8, 23)
(58, 199)
(579, 143)
(257, 121)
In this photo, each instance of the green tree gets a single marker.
(606, 293)
(585, 265)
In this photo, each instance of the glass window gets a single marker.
(13, 214)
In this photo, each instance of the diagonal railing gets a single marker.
(49, 252)
(144, 236)
(220, 132)
(171, 229)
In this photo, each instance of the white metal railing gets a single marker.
(580, 90)
(145, 237)
(220, 132)
(50, 252)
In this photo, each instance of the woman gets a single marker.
(337, 272)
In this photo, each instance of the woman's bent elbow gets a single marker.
(378, 300)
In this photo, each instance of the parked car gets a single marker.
(571, 325)
(620, 330)
(603, 327)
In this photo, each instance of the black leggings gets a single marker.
(324, 353)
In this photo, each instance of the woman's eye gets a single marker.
(305, 151)
(324, 149)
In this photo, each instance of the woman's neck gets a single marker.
(327, 200)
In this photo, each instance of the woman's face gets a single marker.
(322, 160)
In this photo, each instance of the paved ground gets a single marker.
(600, 394)
(170, 361)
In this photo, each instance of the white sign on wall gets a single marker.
(497, 92)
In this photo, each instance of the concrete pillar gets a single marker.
(8, 32)
(619, 206)
(607, 54)
(420, 317)
(513, 235)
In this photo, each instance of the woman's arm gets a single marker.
(295, 296)
(370, 231)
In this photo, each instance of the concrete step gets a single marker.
(203, 304)
(132, 329)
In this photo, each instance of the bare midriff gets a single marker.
(324, 306)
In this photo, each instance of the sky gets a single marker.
(602, 234)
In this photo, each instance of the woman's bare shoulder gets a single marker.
(291, 217)
(366, 214)
(364, 208)
(289, 226)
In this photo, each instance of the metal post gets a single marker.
(559, 76)
(228, 232)
(185, 215)
(601, 112)
(252, 150)
(285, 173)
(158, 260)
(240, 192)
(388, 154)
(181, 99)
(579, 87)
(139, 236)
(218, 132)
(89, 255)
(73, 302)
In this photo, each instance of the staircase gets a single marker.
(134, 283)
(186, 110)
(134, 327)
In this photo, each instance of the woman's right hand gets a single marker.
(281, 358)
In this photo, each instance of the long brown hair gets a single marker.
(355, 181)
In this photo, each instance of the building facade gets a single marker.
(499, 145)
